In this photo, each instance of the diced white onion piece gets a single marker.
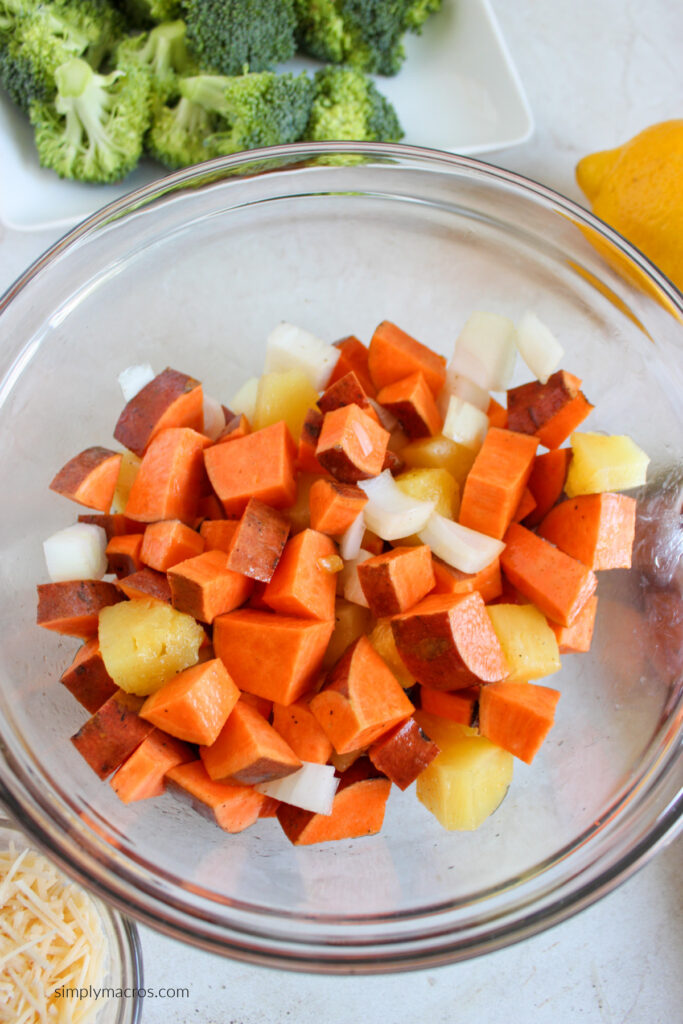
(385, 416)
(214, 417)
(462, 387)
(134, 378)
(538, 346)
(485, 351)
(351, 540)
(243, 402)
(311, 787)
(292, 348)
(390, 513)
(465, 424)
(76, 553)
(464, 549)
(349, 584)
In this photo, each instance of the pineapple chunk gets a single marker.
(468, 779)
(604, 463)
(243, 402)
(128, 470)
(432, 485)
(350, 621)
(145, 643)
(284, 396)
(382, 639)
(440, 452)
(528, 642)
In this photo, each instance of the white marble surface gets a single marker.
(596, 72)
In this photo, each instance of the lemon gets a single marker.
(637, 188)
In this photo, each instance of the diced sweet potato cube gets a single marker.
(113, 524)
(169, 481)
(452, 581)
(402, 753)
(360, 700)
(447, 642)
(89, 478)
(258, 541)
(308, 442)
(123, 554)
(259, 465)
(248, 749)
(495, 484)
(142, 774)
(145, 584)
(396, 580)
(551, 411)
(334, 506)
(393, 355)
(169, 542)
(87, 678)
(231, 805)
(351, 445)
(194, 705)
(517, 716)
(217, 534)
(205, 586)
(346, 390)
(72, 607)
(412, 403)
(457, 705)
(172, 399)
(299, 727)
(353, 356)
(302, 584)
(112, 733)
(527, 504)
(576, 639)
(598, 529)
(235, 427)
(546, 482)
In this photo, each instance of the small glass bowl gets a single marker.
(124, 968)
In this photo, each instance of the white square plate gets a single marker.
(458, 91)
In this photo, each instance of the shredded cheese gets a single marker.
(53, 958)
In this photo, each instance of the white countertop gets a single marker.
(595, 72)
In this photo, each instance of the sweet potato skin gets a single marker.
(112, 733)
(402, 753)
(172, 399)
(258, 541)
(89, 478)
(146, 583)
(87, 679)
(73, 607)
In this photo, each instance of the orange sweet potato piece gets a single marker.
(271, 656)
(393, 355)
(598, 529)
(142, 774)
(217, 534)
(235, 427)
(89, 478)
(556, 583)
(353, 356)
(412, 403)
(447, 642)
(299, 727)
(231, 805)
(169, 542)
(73, 607)
(452, 581)
(169, 480)
(302, 584)
(396, 580)
(308, 442)
(209, 507)
(248, 749)
(87, 678)
(358, 809)
(112, 733)
(205, 586)
(497, 414)
(258, 541)
(334, 506)
(195, 704)
(527, 504)
(123, 554)
(263, 706)
(172, 399)
(551, 411)
(114, 524)
(360, 700)
(546, 482)
(496, 481)
(145, 584)
(402, 753)
(351, 445)
(517, 716)
(457, 705)
(346, 390)
(576, 639)
(259, 465)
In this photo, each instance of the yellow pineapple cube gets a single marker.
(128, 470)
(382, 639)
(468, 780)
(284, 396)
(528, 642)
(350, 621)
(432, 485)
(145, 643)
(440, 452)
(602, 463)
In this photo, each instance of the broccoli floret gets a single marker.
(142, 13)
(257, 109)
(348, 106)
(162, 53)
(94, 128)
(231, 36)
(49, 34)
(365, 34)
(178, 136)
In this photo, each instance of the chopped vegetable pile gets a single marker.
(105, 81)
(352, 579)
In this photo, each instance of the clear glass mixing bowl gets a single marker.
(193, 272)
